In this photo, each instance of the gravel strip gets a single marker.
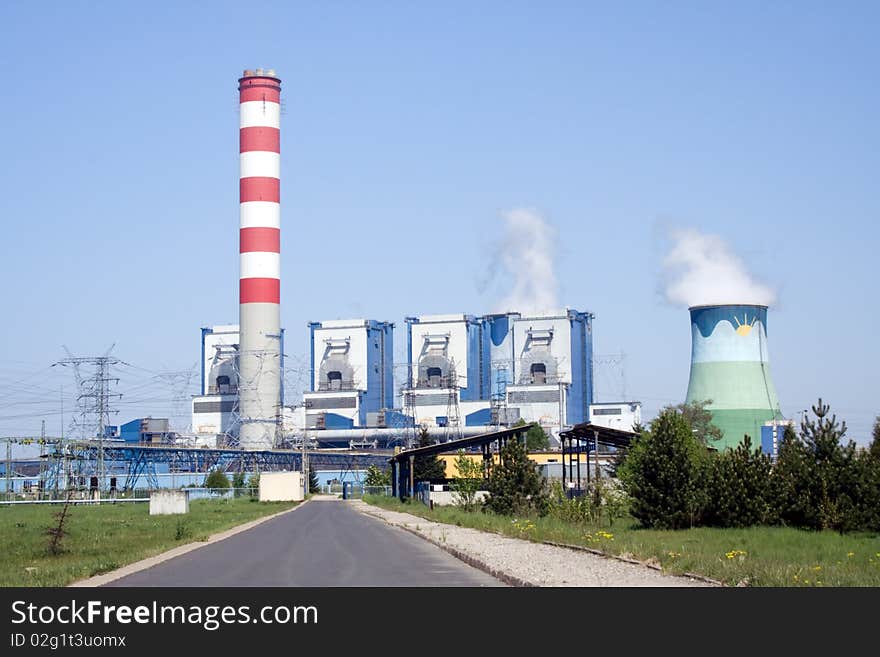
(524, 563)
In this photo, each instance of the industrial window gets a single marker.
(607, 411)
(434, 376)
(335, 380)
(223, 384)
(539, 373)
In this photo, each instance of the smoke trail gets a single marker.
(525, 256)
(701, 270)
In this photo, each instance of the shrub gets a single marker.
(574, 510)
(821, 483)
(515, 485)
(740, 492)
(377, 477)
(664, 474)
(467, 482)
(216, 479)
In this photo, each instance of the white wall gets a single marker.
(457, 351)
(353, 330)
(629, 415)
(560, 345)
(224, 335)
(213, 423)
(169, 502)
(281, 487)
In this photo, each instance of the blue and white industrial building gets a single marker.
(486, 371)
(464, 374)
(352, 374)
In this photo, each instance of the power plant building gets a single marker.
(447, 371)
(730, 367)
(215, 410)
(552, 367)
(623, 416)
(352, 374)
(469, 371)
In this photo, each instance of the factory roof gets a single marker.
(602, 435)
(463, 443)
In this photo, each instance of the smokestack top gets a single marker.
(260, 73)
(728, 305)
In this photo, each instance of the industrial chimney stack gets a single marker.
(260, 259)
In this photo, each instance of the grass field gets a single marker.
(756, 556)
(104, 537)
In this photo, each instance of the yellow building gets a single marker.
(539, 458)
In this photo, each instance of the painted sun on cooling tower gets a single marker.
(730, 367)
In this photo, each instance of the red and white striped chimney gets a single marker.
(260, 258)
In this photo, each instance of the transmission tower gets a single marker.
(92, 375)
(180, 384)
(453, 413)
(602, 362)
(500, 373)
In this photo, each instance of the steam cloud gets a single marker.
(701, 270)
(525, 254)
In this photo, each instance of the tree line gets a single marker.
(817, 482)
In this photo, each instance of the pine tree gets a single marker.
(821, 483)
(874, 449)
(791, 482)
(740, 492)
(664, 474)
(515, 485)
(314, 486)
(536, 438)
(427, 468)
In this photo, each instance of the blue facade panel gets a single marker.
(479, 418)
(336, 421)
(380, 369)
(580, 393)
(130, 432)
(475, 373)
(770, 444)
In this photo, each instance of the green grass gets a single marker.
(756, 556)
(104, 537)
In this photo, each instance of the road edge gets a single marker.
(155, 560)
(470, 560)
(515, 581)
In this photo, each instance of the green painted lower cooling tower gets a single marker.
(729, 366)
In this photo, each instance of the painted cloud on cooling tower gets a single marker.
(525, 253)
(701, 270)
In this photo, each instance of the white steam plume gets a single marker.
(701, 270)
(525, 253)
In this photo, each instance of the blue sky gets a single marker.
(408, 128)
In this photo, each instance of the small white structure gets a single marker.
(281, 487)
(169, 502)
(616, 415)
(450, 498)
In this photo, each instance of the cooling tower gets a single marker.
(260, 256)
(730, 367)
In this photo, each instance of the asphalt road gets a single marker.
(322, 544)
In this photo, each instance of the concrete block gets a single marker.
(167, 502)
(448, 497)
(281, 487)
